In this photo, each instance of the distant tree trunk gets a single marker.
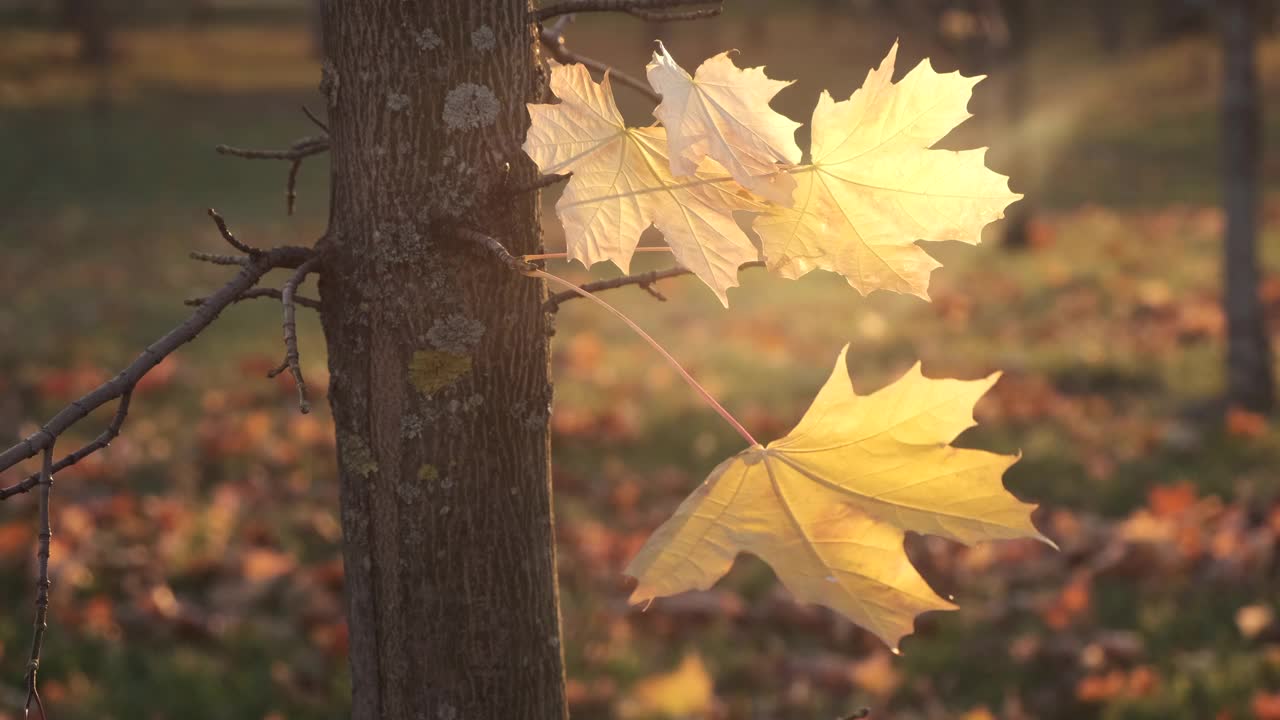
(200, 13)
(1249, 379)
(315, 10)
(91, 21)
(439, 362)
(1110, 23)
(1013, 59)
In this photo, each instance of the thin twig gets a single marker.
(218, 259)
(250, 273)
(653, 291)
(553, 40)
(42, 587)
(634, 7)
(312, 117)
(304, 148)
(495, 249)
(231, 239)
(291, 186)
(702, 392)
(99, 443)
(677, 15)
(291, 357)
(645, 280)
(259, 293)
(544, 181)
(299, 151)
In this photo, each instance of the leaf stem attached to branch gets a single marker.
(715, 405)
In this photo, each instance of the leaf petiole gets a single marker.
(715, 405)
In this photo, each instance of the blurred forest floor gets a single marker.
(196, 563)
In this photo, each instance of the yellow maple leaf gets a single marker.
(622, 183)
(827, 506)
(723, 112)
(685, 692)
(874, 186)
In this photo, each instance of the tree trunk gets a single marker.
(438, 357)
(1249, 380)
(91, 22)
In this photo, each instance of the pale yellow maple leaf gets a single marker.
(827, 506)
(723, 112)
(875, 186)
(622, 183)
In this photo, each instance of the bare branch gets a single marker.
(496, 249)
(645, 280)
(291, 186)
(258, 293)
(42, 586)
(218, 259)
(102, 441)
(250, 273)
(231, 239)
(299, 151)
(639, 8)
(291, 357)
(553, 40)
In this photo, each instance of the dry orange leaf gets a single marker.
(1246, 424)
(827, 506)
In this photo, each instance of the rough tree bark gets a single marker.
(439, 362)
(1249, 380)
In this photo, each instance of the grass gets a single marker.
(1107, 331)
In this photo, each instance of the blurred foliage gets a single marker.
(196, 562)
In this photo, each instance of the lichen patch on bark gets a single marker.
(431, 370)
(483, 39)
(356, 455)
(469, 106)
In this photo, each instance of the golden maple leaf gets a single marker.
(723, 112)
(828, 505)
(622, 183)
(874, 186)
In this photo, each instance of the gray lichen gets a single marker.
(482, 39)
(397, 102)
(408, 492)
(455, 334)
(470, 106)
(427, 40)
(411, 427)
